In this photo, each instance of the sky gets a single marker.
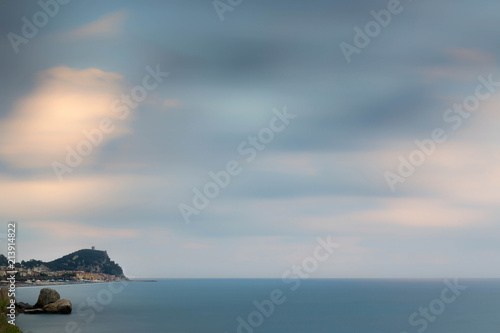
(317, 121)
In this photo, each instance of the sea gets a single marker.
(273, 306)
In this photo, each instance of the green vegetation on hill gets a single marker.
(31, 264)
(93, 261)
(5, 327)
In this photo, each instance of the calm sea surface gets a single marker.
(316, 306)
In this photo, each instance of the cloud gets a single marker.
(465, 170)
(72, 230)
(465, 173)
(65, 102)
(51, 199)
(471, 55)
(78, 196)
(197, 246)
(417, 212)
(172, 103)
(109, 25)
(463, 65)
(293, 163)
(366, 216)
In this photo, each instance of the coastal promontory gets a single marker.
(85, 264)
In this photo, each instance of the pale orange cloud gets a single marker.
(65, 102)
(472, 56)
(73, 230)
(108, 25)
(49, 199)
(466, 170)
(464, 173)
(172, 103)
(396, 216)
(463, 65)
(417, 212)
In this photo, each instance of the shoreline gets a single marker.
(42, 284)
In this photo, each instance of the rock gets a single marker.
(33, 311)
(47, 296)
(62, 306)
(49, 301)
(21, 306)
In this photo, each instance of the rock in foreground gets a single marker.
(62, 306)
(49, 301)
(47, 296)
